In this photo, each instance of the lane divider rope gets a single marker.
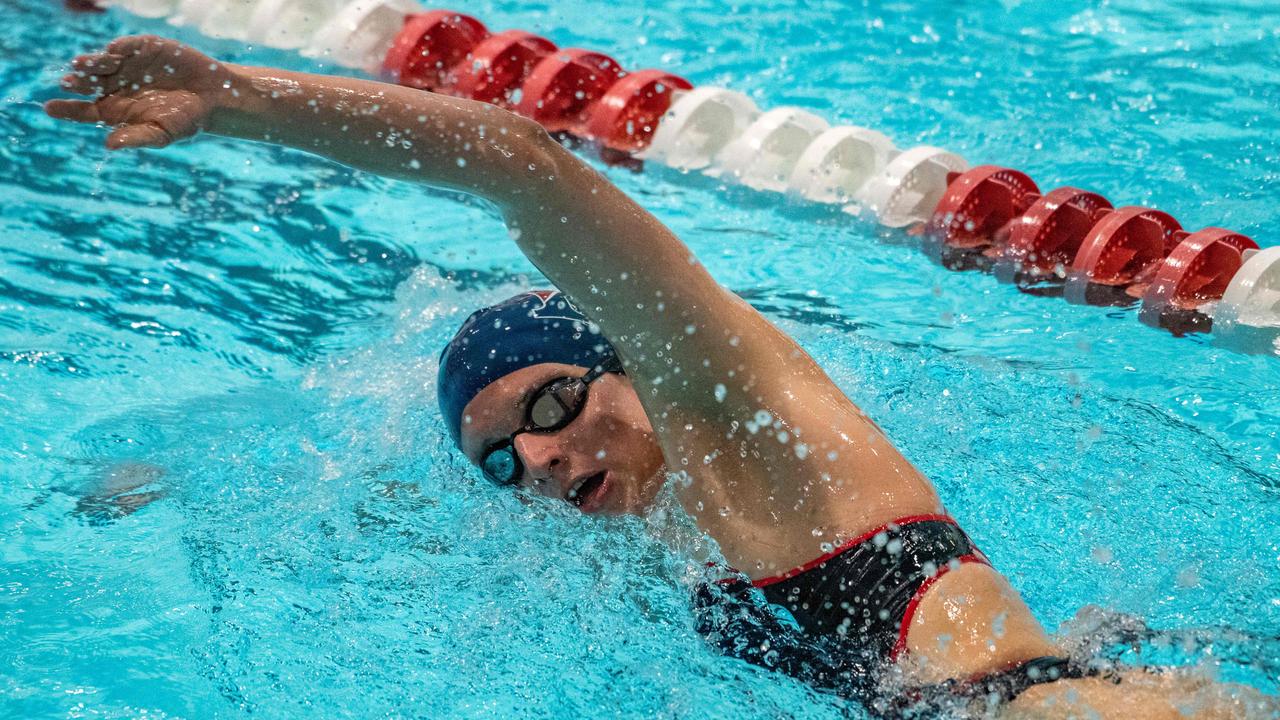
(1068, 241)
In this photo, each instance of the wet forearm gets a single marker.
(389, 130)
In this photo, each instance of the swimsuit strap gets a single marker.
(1005, 685)
(866, 590)
(988, 692)
(984, 694)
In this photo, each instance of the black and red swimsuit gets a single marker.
(867, 589)
(854, 607)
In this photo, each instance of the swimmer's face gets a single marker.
(606, 460)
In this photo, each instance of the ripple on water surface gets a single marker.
(251, 333)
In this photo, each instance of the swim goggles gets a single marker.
(551, 408)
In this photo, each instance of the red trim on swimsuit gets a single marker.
(900, 646)
(869, 590)
(765, 582)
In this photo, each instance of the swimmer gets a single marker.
(641, 365)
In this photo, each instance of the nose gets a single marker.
(541, 455)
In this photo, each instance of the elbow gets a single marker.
(529, 132)
(536, 162)
(537, 147)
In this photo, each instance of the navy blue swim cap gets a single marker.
(534, 327)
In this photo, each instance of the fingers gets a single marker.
(130, 45)
(75, 110)
(132, 63)
(92, 72)
(100, 64)
(141, 135)
(82, 84)
(95, 74)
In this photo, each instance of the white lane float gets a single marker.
(1252, 299)
(224, 19)
(698, 125)
(765, 154)
(839, 162)
(143, 8)
(910, 186)
(289, 24)
(360, 33)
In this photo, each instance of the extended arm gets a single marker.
(628, 271)
(706, 365)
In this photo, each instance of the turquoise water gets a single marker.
(252, 332)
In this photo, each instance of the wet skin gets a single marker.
(781, 462)
(611, 435)
(613, 421)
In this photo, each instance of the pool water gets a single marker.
(252, 333)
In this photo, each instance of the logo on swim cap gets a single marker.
(538, 326)
(553, 302)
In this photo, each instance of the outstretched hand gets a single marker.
(153, 90)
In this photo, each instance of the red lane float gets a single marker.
(1196, 273)
(987, 215)
(499, 65)
(628, 113)
(977, 208)
(428, 47)
(1045, 240)
(1113, 255)
(563, 86)
(577, 91)
(1120, 254)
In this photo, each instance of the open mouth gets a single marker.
(585, 488)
